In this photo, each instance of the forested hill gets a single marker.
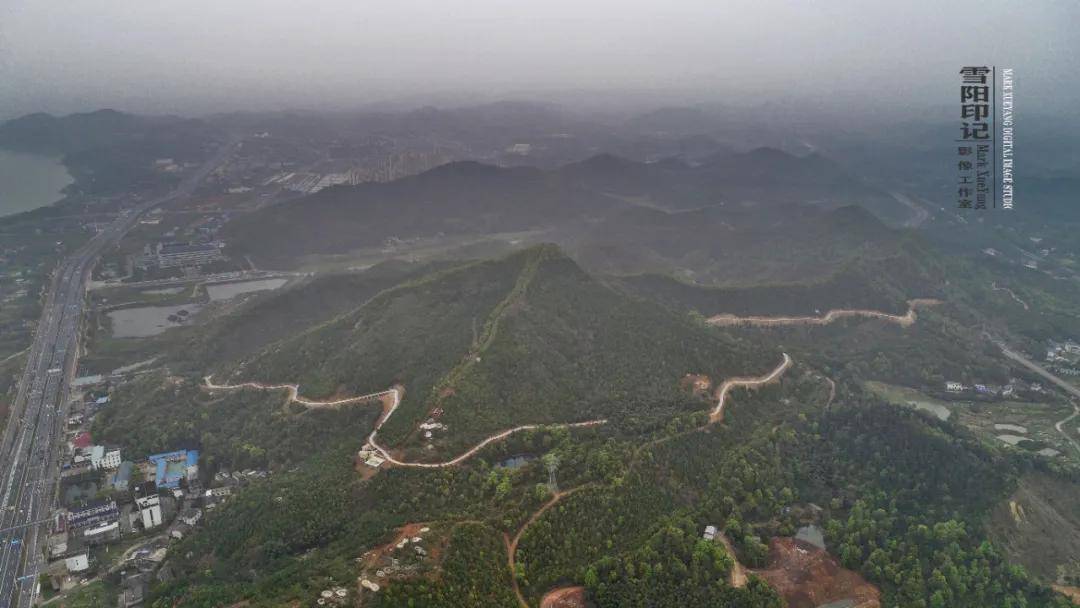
(472, 198)
(529, 338)
(458, 198)
(280, 314)
(108, 151)
(884, 282)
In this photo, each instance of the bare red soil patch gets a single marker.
(564, 597)
(807, 577)
(698, 384)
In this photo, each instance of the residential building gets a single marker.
(171, 468)
(954, 387)
(80, 441)
(78, 563)
(92, 515)
(111, 460)
(175, 255)
(96, 455)
(191, 516)
(149, 510)
(103, 533)
(121, 479)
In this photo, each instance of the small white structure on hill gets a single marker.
(710, 533)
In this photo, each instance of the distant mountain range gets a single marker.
(469, 198)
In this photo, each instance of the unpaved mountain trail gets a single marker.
(904, 320)
(293, 391)
(717, 413)
(738, 577)
(512, 543)
(385, 454)
(994, 286)
(395, 394)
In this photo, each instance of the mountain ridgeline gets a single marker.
(468, 198)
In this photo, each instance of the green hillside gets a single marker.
(604, 195)
(884, 282)
(280, 314)
(529, 338)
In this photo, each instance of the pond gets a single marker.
(150, 320)
(224, 291)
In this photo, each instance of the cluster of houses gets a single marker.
(407, 557)
(107, 497)
(991, 390)
(1063, 357)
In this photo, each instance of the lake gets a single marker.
(29, 181)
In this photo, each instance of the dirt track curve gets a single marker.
(717, 413)
(293, 391)
(903, 320)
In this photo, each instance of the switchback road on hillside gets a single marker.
(395, 393)
(903, 320)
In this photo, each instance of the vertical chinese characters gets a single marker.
(975, 172)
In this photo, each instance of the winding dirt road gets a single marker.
(994, 286)
(903, 320)
(293, 391)
(717, 413)
(511, 544)
(385, 454)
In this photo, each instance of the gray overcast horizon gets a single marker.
(204, 56)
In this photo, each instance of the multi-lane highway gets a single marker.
(31, 447)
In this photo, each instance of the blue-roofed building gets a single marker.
(172, 467)
(122, 477)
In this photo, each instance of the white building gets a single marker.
(96, 455)
(954, 387)
(150, 510)
(78, 563)
(111, 460)
(710, 533)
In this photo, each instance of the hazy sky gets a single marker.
(200, 55)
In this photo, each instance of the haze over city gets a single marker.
(206, 56)
(556, 304)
